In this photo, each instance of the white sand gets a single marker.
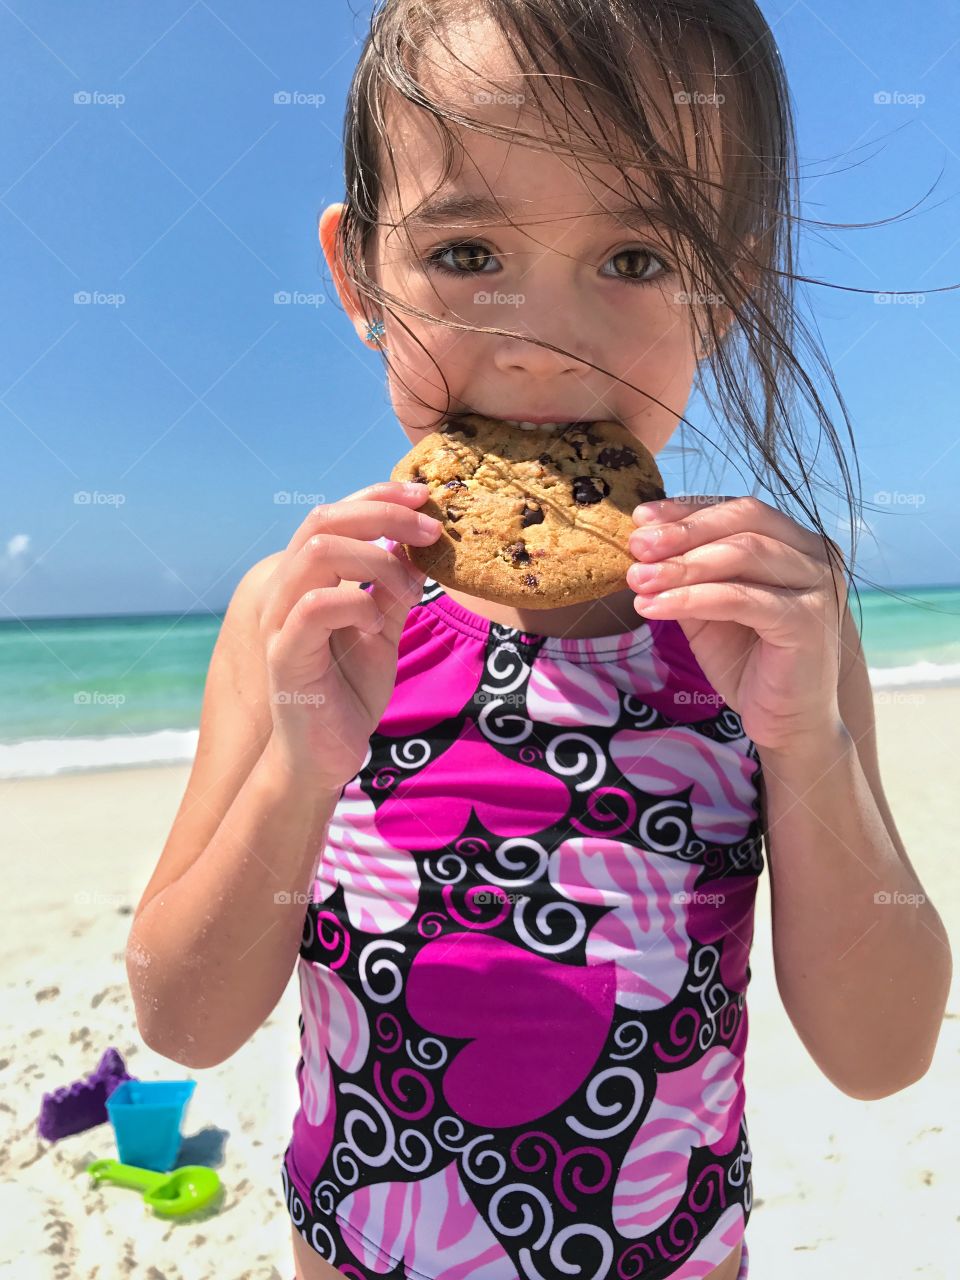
(842, 1187)
(846, 1188)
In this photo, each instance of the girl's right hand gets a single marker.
(330, 670)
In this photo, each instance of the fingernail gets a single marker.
(428, 524)
(642, 540)
(646, 512)
(642, 576)
(414, 487)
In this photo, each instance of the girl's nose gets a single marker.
(518, 355)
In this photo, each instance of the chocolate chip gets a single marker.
(531, 515)
(452, 513)
(531, 580)
(617, 459)
(589, 489)
(518, 552)
(419, 478)
(545, 460)
(578, 436)
(455, 483)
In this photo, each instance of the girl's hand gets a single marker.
(753, 591)
(331, 669)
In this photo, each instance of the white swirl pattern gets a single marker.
(620, 1177)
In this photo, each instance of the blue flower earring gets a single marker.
(376, 331)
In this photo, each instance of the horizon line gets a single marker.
(203, 613)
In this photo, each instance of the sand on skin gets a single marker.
(842, 1187)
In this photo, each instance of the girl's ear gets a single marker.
(327, 228)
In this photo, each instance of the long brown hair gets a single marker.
(739, 249)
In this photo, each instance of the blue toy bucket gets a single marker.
(146, 1116)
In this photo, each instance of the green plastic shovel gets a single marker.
(172, 1195)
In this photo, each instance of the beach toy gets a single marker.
(172, 1195)
(146, 1117)
(81, 1105)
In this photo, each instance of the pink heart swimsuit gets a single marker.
(524, 967)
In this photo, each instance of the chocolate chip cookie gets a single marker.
(532, 518)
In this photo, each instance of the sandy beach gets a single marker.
(841, 1187)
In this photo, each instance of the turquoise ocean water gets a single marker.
(81, 693)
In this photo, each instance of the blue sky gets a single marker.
(184, 188)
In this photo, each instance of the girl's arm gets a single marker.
(217, 931)
(861, 957)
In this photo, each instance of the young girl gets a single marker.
(516, 852)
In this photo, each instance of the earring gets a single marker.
(376, 331)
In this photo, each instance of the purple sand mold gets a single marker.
(83, 1104)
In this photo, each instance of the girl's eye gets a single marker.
(467, 256)
(628, 258)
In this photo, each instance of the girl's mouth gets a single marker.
(537, 426)
(534, 424)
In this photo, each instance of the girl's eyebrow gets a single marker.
(457, 209)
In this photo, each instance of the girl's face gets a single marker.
(572, 275)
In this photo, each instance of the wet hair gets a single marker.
(731, 217)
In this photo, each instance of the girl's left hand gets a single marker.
(753, 592)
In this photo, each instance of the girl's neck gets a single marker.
(609, 616)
